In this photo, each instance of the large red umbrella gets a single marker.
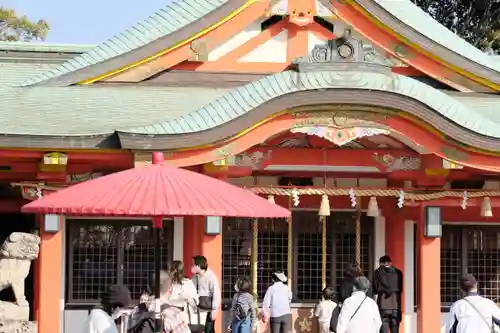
(156, 191)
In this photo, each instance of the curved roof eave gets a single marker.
(176, 22)
(236, 105)
(412, 23)
(100, 141)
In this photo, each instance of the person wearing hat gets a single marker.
(102, 319)
(276, 305)
(473, 313)
(359, 313)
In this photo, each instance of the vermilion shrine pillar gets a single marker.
(428, 279)
(48, 288)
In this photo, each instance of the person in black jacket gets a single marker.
(345, 288)
(388, 286)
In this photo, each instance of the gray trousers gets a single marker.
(281, 324)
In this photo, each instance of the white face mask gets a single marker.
(236, 288)
(195, 269)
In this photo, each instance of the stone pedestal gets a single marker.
(13, 312)
(18, 327)
(15, 319)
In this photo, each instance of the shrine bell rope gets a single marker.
(254, 257)
(323, 251)
(408, 194)
(289, 262)
(358, 234)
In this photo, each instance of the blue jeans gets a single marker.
(242, 326)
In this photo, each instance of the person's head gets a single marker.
(468, 283)
(176, 272)
(200, 264)
(351, 271)
(327, 293)
(115, 296)
(385, 261)
(164, 282)
(243, 285)
(279, 276)
(361, 283)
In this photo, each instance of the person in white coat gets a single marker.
(359, 313)
(473, 313)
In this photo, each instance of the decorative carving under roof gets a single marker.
(340, 136)
(343, 53)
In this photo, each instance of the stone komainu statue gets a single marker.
(16, 254)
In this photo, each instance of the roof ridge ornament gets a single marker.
(341, 54)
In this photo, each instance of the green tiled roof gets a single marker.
(20, 61)
(44, 47)
(92, 110)
(485, 104)
(415, 18)
(13, 73)
(241, 100)
(174, 16)
(103, 109)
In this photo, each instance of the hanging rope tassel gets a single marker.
(324, 211)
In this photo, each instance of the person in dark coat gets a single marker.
(388, 286)
(347, 284)
(103, 318)
(345, 288)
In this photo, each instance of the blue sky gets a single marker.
(88, 21)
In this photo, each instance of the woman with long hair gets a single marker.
(179, 291)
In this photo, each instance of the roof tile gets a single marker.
(244, 99)
(86, 110)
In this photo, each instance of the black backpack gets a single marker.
(239, 312)
(144, 321)
(335, 318)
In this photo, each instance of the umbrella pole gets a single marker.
(157, 225)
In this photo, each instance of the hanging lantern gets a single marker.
(270, 198)
(324, 208)
(486, 207)
(372, 207)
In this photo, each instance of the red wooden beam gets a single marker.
(71, 168)
(11, 205)
(415, 174)
(101, 157)
(328, 157)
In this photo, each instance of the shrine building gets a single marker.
(373, 123)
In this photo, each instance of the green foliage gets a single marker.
(19, 28)
(476, 21)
